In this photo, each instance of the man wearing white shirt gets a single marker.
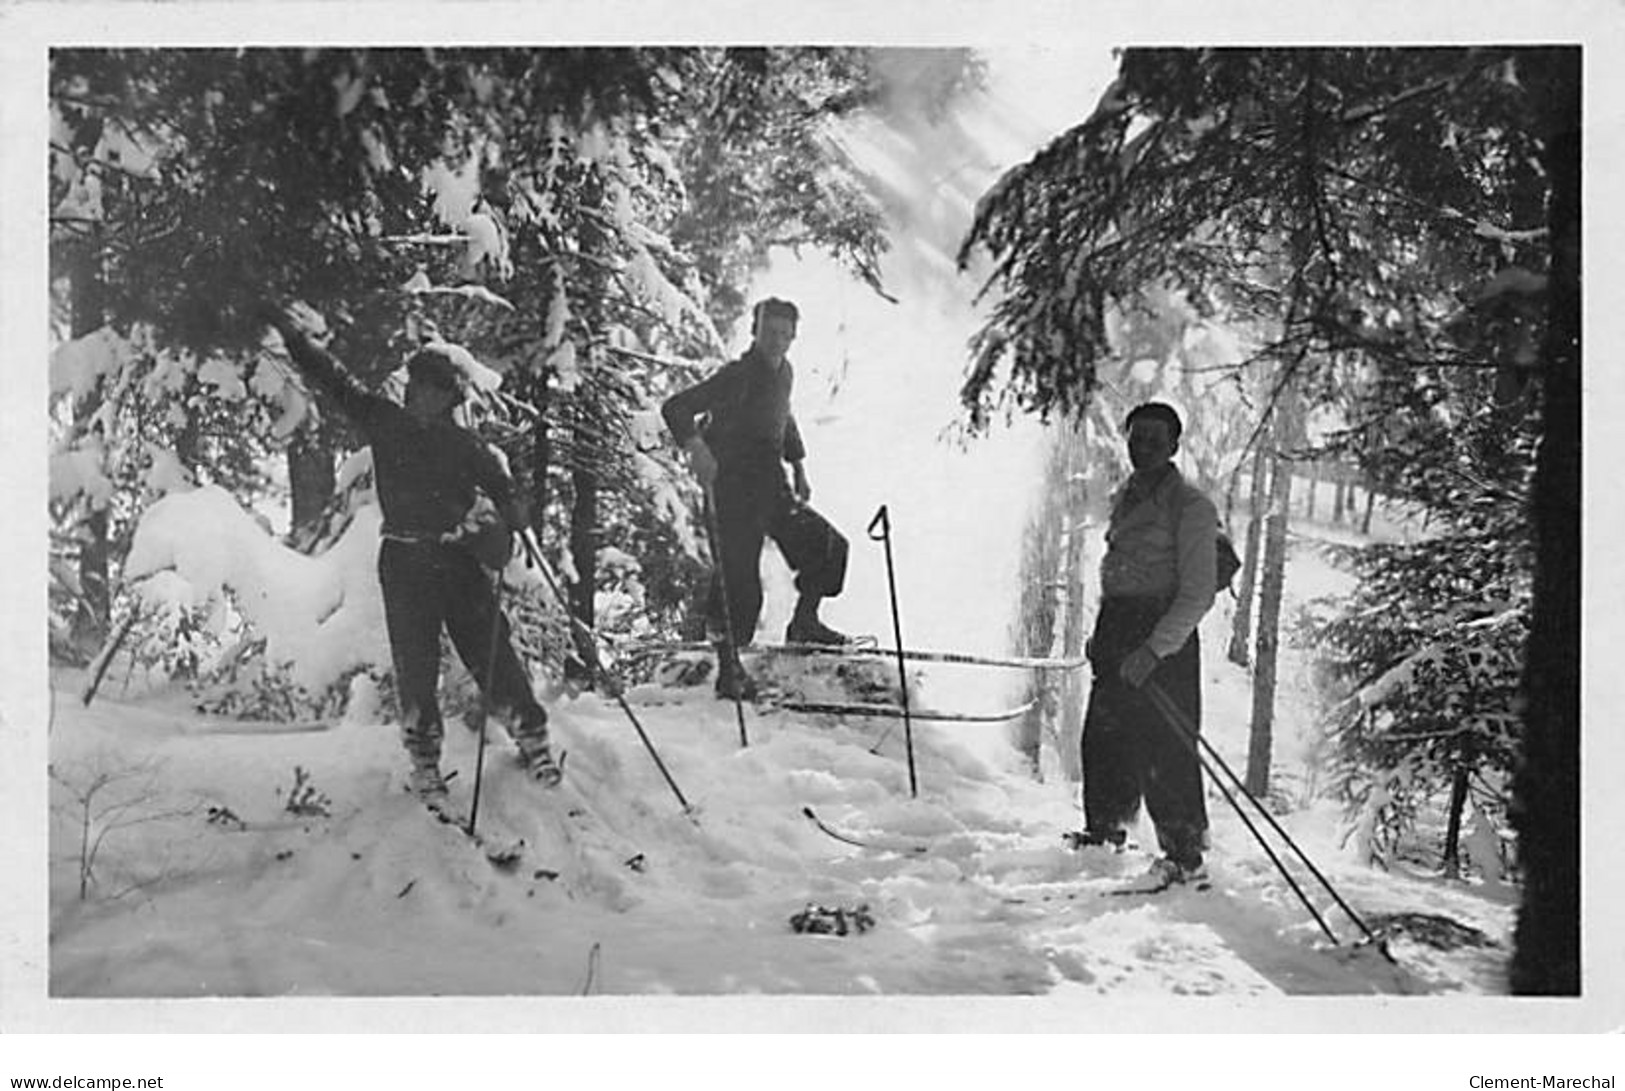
(1156, 581)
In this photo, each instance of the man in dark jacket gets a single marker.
(738, 454)
(1156, 583)
(434, 479)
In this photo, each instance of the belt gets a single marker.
(412, 537)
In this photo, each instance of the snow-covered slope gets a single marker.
(206, 884)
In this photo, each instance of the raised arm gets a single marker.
(321, 370)
(494, 479)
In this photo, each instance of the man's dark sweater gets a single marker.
(427, 471)
(749, 425)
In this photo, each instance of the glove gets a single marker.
(1139, 665)
(484, 533)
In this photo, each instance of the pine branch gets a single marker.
(1442, 213)
(1372, 111)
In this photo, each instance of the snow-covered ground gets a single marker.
(207, 884)
(241, 914)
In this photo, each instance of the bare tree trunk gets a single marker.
(1340, 497)
(1260, 741)
(1035, 627)
(93, 619)
(1046, 593)
(1241, 632)
(1452, 832)
(1370, 502)
(1546, 789)
(312, 478)
(1051, 620)
(1314, 487)
(541, 453)
(1054, 686)
(1070, 620)
(584, 556)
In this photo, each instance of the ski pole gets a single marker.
(486, 698)
(883, 519)
(1177, 718)
(1157, 696)
(715, 535)
(534, 556)
(1263, 844)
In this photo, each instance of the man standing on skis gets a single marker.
(1156, 581)
(738, 453)
(449, 512)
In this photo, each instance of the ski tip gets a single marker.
(1151, 892)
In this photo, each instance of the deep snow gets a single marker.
(214, 911)
(234, 896)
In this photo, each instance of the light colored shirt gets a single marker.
(1160, 543)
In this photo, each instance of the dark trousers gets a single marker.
(1130, 751)
(749, 509)
(428, 586)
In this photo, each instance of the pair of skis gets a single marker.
(892, 712)
(868, 649)
(506, 851)
(907, 847)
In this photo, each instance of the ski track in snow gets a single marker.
(620, 893)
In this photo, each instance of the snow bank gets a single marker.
(322, 616)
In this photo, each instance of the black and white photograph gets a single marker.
(1078, 521)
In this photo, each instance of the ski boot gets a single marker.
(1164, 873)
(537, 757)
(1077, 840)
(812, 631)
(429, 786)
(734, 682)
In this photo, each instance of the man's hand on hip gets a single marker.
(1138, 666)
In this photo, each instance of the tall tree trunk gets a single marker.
(1260, 741)
(1053, 685)
(584, 556)
(1241, 631)
(1340, 497)
(1314, 487)
(1370, 503)
(1069, 729)
(541, 452)
(1035, 628)
(1452, 831)
(92, 619)
(1068, 638)
(1043, 595)
(312, 479)
(1546, 790)
(189, 438)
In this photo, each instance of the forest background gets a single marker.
(847, 236)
